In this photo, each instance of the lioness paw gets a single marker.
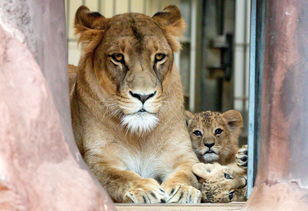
(242, 157)
(145, 191)
(183, 194)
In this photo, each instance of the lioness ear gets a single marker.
(89, 25)
(188, 117)
(234, 119)
(171, 21)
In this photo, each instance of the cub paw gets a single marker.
(242, 157)
(145, 191)
(183, 194)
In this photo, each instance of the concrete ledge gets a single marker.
(179, 207)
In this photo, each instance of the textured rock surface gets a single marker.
(282, 180)
(37, 168)
(40, 167)
(41, 26)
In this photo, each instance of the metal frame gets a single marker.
(195, 40)
(251, 107)
(255, 75)
(193, 43)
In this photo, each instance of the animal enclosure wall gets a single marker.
(41, 168)
(280, 62)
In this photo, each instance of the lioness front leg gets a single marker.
(126, 186)
(181, 186)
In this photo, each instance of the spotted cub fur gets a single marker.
(215, 135)
(221, 183)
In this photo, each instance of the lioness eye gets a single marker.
(118, 57)
(218, 131)
(159, 57)
(231, 195)
(228, 176)
(197, 133)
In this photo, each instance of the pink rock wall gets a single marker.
(282, 180)
(40, 167)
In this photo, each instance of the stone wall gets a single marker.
(282, 179)
(40, 166)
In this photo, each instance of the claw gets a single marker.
(145, 191)
(241, 157)
(184, 194)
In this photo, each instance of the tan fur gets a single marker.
(225, 145)
(72, 75)
(221, 184)
(149, 166)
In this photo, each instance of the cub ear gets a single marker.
(171, 21)
(188, 117)
(202, 169)
(234, 119)
(89, 25)
(198, 169)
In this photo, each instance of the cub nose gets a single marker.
(142, 97)
(209, 145)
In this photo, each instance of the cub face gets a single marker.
(214, 135)
(221, 184)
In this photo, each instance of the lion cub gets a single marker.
(214, 135)
(221, 183)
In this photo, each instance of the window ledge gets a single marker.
(179, 207)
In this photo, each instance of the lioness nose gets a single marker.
(141, 97)
(209, 145)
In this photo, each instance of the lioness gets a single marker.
(127, 107)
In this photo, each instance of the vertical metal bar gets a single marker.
(239, 42)
(247, 50)
(114, 9)
(129, 5)
(144, 6)
(83, 2)
(99, 5)
(192, 75)
(244, 59)
(67, 18)
(251, 99)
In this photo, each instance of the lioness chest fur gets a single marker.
(127, 107)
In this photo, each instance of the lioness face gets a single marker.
(135, 59)
(212, 134)
(132, 59)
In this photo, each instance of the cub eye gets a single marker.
(228, 176)
(159, 57)
(118, 57)
(197, 133)
(218, 131)
(231, 195)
